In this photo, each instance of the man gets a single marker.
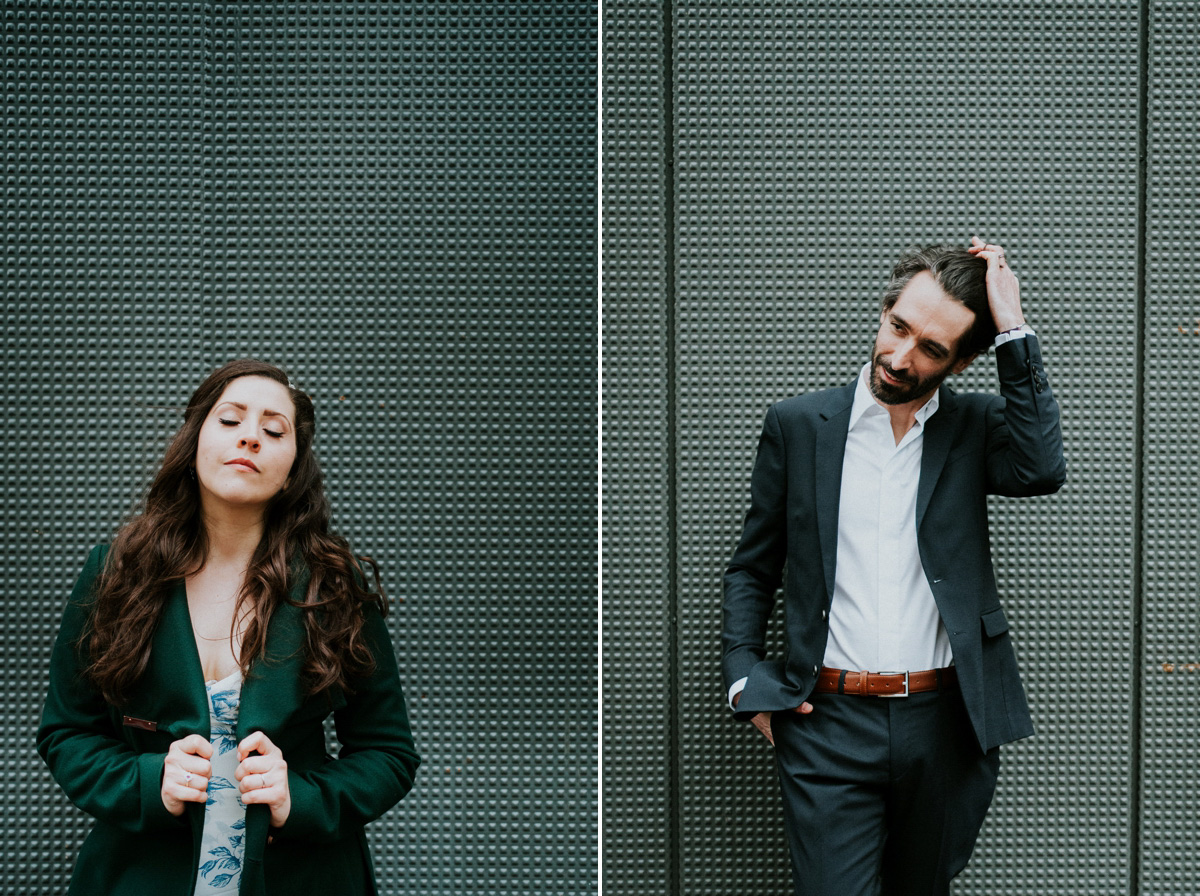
(874, 497)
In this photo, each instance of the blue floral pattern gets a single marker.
(224, 813)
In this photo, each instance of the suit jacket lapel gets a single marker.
(831, 450)
(939, 436)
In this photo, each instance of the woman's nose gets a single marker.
(251, 443)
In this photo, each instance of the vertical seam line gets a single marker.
(1139, 647)
(674, 865)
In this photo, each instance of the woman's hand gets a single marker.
(186, 771)
(262, 776)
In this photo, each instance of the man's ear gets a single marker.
(963, 363)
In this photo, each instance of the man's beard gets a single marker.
(912, 387)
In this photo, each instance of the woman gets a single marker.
(199, 655)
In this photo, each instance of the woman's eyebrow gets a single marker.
(267, 412)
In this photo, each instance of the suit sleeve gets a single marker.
(756, 570)
(1025, 446)
(377, 761)
(77, 738)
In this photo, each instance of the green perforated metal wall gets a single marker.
(639, 680)
(811, 143)
(1171, 574)
(397, 202)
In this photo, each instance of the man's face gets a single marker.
(917, 344)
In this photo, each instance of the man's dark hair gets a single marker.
(962, 276)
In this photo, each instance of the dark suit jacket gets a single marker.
(974, 445)
(113, 770)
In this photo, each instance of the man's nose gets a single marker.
(902, 355)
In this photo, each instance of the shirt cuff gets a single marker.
(736, 688)
(1009, 335)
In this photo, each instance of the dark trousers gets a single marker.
(880, 795)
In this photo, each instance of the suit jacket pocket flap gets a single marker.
(994, 623)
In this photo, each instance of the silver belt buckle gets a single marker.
(902, 694)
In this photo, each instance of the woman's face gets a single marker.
(247, 443)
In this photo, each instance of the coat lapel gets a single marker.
(274, 688)
(175, 672)
(270, 693)
(178, 681)
(831, 450)
(939, 436)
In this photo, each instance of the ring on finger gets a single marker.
(187, 779)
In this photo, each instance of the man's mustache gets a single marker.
(908, 378)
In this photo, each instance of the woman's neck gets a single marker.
(232, 534)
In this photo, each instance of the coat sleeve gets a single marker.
(1025, 445)
(756, 570)
(377, 761)
(78, 738)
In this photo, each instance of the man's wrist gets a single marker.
(735, 692)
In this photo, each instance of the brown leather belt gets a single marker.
(883, 684)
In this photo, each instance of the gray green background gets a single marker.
(764, 164)
(397, 202)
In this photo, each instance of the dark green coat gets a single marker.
(113, 769)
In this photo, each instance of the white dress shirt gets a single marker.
(883, 617)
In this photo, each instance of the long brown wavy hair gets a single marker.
(167, 542)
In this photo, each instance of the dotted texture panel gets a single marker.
(396, 202)
(638, 676)
(814, 143)
(1171, 662)
(103, 244)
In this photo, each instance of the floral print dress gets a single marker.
(224, 837)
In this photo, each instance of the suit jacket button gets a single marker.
(816, 669)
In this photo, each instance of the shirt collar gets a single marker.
(865, 403)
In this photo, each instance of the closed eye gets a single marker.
(273, 434)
